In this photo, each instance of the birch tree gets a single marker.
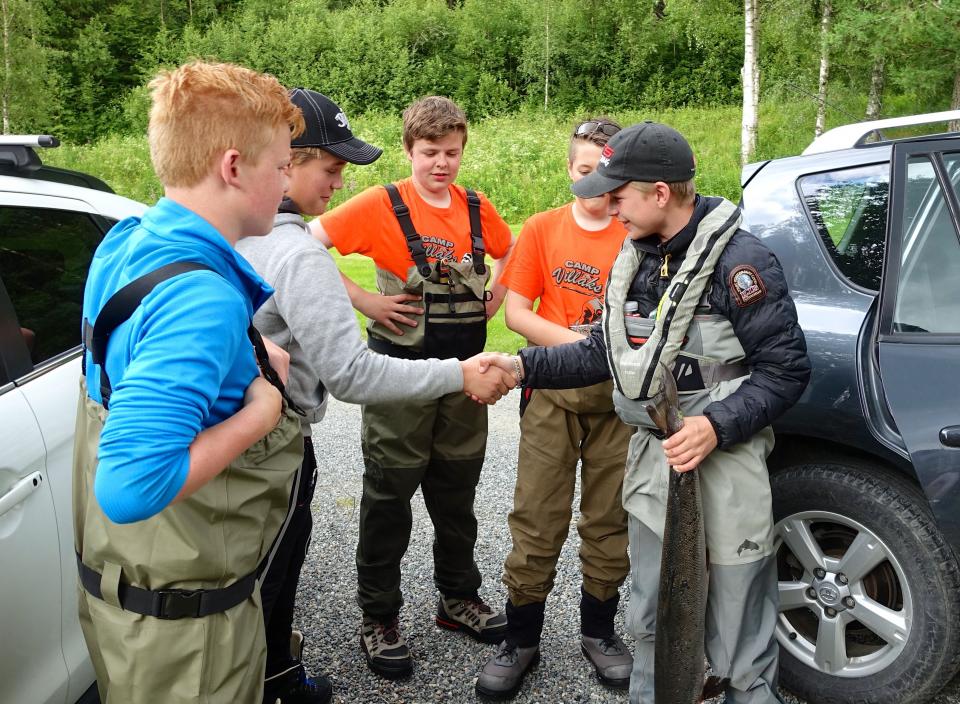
(751, 83)
(27, 87)
(824, 68)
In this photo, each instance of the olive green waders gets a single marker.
(211, 540)
(559, 429)
(437, 445)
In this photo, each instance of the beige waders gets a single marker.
(560, 428)
(213, 540)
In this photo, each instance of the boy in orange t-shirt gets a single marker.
(427, 237)
(562, 258)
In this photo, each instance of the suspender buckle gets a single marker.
(401, 209)
(177, 603)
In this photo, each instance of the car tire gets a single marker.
(903, 583)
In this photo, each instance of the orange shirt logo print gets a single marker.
(579, 277)
(438, 248)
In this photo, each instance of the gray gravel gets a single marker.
(446, 664)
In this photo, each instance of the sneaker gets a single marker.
(611, 659)
(292, 686)
(473, 617)
(386, 650)
(502, 676)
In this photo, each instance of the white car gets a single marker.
(51, 221)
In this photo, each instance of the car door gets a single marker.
(919, 327)
(46, 244)
(32, 668)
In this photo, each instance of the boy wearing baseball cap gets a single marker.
(715, 306)
(311, 317)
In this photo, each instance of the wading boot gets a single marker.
(385, 649)
(599, 642)
(502, 676)
(473, 617)
(610, 658)
(291, 685)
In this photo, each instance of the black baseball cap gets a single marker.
(647, 152)
(327, 128)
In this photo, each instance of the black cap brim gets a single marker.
(354, 150)
(595, 184)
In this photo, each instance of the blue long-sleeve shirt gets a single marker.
(180, 364)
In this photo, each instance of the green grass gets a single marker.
(518, 161)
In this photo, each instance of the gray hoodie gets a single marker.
(310, 316)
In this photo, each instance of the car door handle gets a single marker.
(950, 436)
(20, 491)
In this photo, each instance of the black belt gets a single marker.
(378, 344)
(171, 604)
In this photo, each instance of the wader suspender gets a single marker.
(164, 603)
(125, 301)
(415, 244)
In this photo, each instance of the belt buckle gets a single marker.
(172, 604)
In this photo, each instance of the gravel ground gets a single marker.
(446, 664)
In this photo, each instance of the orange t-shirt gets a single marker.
(367, 224)
(563, 265)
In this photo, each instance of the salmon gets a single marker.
(681, 606)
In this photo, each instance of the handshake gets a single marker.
(489, 376)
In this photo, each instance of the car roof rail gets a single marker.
(17, 151)
(18, 157)
(856, 134)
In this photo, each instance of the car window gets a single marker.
(928, 286)
(44, 257)
(849, 209)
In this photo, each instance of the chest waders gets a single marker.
(709, 363)
(454, 295)
(170, 606)
(437, 445)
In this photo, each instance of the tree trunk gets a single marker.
(955, 102)
(5, 99)
(824, 68)
(546, 62)
(875, 101)
(751, 83)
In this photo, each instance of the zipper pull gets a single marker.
(665, 267)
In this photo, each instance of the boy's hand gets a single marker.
(279, 359)
(389, 310)
(690, 445)
(485, 381)
(265, 400)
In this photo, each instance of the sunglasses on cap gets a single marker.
(592, 127)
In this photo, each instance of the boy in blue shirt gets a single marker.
(173, 405)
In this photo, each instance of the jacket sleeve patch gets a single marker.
(746, 285)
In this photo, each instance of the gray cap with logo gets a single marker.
(648, 151)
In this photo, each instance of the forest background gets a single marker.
(525, 71)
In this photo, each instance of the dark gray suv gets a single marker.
(866, 471)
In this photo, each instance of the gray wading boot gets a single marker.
(292, 685)
(610, 658)
(385, 649)
(502, 675)
(473, 617)
(599, 643)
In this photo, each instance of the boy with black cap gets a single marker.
(311, 317)
(719, 316)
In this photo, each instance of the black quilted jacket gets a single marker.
(766, 327)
